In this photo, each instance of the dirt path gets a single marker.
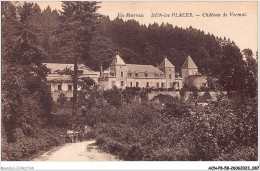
(85, 151)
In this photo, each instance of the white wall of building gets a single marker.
(143, 82)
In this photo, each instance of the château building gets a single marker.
(124, 75)
(60, 78)
(190, 75)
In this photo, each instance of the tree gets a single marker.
(102, 52)
(62, 99)
(178, 59)
(250, 80)
(232, 66)
(25, 95)
(148, 54)
(49, 23)
(113, 97)
(77, 27)
(86, 83)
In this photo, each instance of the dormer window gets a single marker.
(146, 74)
(130, 74)
(136, 74)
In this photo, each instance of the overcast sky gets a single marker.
(242, 30)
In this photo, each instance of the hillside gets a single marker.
(138, 44)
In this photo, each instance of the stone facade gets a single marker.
(133, 75)
(124, 75)
(60, 78)
(191, 76)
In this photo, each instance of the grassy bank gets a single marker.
(26, 147)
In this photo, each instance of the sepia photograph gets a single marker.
(129, 81)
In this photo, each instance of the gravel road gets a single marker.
(84, 151)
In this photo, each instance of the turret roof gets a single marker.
(165, 64)
(189, 63)
(118, 61)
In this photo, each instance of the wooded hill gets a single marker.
(137, 43)
(215, 56)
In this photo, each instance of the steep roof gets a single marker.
(118, 60)
(165, 64)
(58, 66)
(189, 63)
(142, 68)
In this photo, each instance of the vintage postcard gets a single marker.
(129, 81)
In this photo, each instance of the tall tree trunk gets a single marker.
(75, 84)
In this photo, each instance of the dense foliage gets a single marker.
(178, 131)
(28, 39)
(26, 97)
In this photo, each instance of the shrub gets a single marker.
(113, 97)
(165, 98)
(27, 147)
(141, 131)
(62, 99)
(171, 89)
(130, 93)
(242, 153)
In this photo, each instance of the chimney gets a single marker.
(101, 71)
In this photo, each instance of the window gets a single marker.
(122, 83)
(136, 74)
(170, 76)
(122, 74)
(112, 83)
(137, 84)
(131, 84)
(69, 87)
(147, 84)
(146, 74)
(162, 85)
(130, 74)
(59, 87)
(158, 85)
